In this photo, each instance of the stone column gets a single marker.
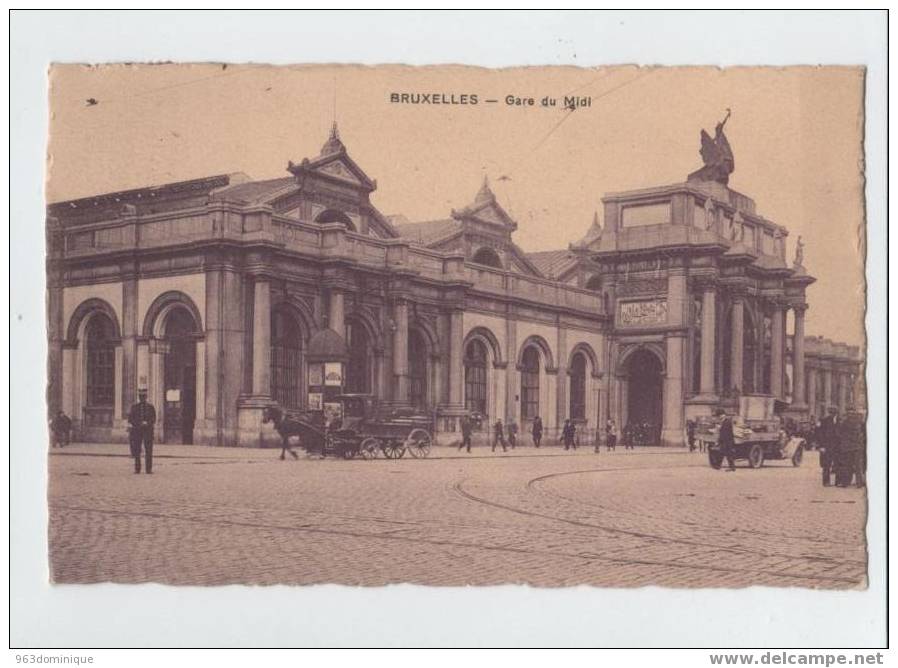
(776, 351)
(709, 330)
(843, 393)
(798, 358)
(737, 340)
(672, 398)
(812, 391)
(562, 404)
(456, 359)
(262, 337)
(512, 374)
(55, 355)
(335, 314)
(827, 388)
(129, 341)
(400, 351)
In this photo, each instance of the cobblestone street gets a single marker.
(542, 517)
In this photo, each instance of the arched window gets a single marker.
(530, 383)
(488, 257)
(417, 369)
(100, 334)
(475, 377)
(286, 359)
(578, 387)
(357, 371)
(335, 216)
(594, 283)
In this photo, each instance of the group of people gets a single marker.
(506, 436)
(842, 443)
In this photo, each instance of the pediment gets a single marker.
(341, 170)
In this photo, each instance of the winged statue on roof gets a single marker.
(717, 156)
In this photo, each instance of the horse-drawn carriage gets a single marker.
(359, 429)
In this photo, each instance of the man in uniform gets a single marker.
(568, 434)
(537, 430)
(725, 438)
(142, 419)
(466, 428)
(828, 443)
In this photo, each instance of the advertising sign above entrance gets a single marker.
(641, 313)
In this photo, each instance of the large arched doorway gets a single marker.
(476, 377)
(286, 359)
(179, 376)
(100, 376)
(644, 406)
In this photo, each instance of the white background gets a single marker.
(148, 615)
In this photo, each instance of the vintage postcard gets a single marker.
(456, 326)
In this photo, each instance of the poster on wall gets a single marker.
(315, 401)
(649, 312)
(315, 375)
(333, 374)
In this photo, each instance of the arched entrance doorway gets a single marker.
(417, 370)
(179, 376)
(644, 393)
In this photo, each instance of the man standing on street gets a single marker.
(142, 419)
(499, 436)
(828, 443)
(568, 434)
(61, 429)
(466, 429)
(725, 439)
(537, 430)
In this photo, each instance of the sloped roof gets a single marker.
(427, 232)
(552, 263)
(256, 191)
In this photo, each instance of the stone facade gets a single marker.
(207, 292)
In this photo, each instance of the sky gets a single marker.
(796, 134)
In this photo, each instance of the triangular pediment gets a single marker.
(339, 169)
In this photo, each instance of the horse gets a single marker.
(284, 426)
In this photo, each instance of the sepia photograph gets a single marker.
(565, 326)
(500, 324)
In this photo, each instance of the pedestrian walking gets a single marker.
(568, 435)
(61, 429)
(611, 433)
(499, 436)
(142, 419)
(466, 429)
(725, 438)
(512, 433)
(537, 431)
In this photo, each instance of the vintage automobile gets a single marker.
(758, 434)
(355, 425)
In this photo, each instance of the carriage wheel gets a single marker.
(393, 450)
(369, 447)
(418, 443)
(756, 456)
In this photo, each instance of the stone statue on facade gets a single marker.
(709, 214)
(738, 227)
(799, 252)
(717, 156)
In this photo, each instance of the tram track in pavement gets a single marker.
(585, 556)
(534, 485)
(459, 489)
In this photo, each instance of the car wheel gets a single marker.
(756, 456)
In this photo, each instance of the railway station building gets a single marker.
(212, 293)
